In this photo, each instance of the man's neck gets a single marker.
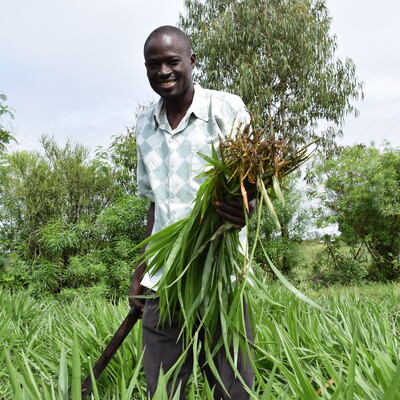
(177, 108)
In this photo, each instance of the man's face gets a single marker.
(169, 66)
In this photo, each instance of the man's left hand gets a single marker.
(233, 212)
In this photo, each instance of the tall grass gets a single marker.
(351, 351)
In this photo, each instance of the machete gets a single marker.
(111, 349)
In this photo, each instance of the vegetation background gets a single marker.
(69, 219)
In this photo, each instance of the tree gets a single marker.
(279, 56)
(5, 135)
(62, 187)
(121, 156)
(362, 191)
(70, 220)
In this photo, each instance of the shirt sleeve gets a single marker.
(144, 190)
(242, 117)
(234, 115)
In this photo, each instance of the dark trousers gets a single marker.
(162, 349)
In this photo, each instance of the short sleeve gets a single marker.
(233, 115)
(144, 190)
(242, 117)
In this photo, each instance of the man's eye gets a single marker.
(174, 62)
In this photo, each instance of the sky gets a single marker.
(74, 68)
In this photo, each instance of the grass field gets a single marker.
(350, 351)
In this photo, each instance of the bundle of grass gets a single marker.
(207, 279)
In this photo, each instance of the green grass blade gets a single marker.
(94, 383)
(28, 378)
(351, 377)
(393, 390)
(268, 388)
(63, 377)
(277, 189)
(287, 284)
(76, 370)
(269, 204)
(14, 378)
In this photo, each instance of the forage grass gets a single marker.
(355, 344)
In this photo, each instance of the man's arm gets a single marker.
(136, 287)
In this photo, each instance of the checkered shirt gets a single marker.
(168, 160)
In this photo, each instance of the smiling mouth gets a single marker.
(167, 84)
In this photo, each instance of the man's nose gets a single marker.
(164, 69)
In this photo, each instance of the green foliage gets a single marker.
(298, 349)
(337, 265)
(362, 192)
(279, 56)
(44, 198)
(84, 271)
(283, 245)
(125, 219)
(49, 343)
(5, 134)
(69, 220)
(121, 154)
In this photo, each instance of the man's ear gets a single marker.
(193, 60)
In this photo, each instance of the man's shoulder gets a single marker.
(225, 98)
(225, 108)
(147, 111)
(145, 117)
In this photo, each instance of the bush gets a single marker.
(84, 271)
(46, 277)
(15, 272)
(93, 292)
(337, 264)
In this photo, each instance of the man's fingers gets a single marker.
(233, 208)
(232, 212)
(234, 219)
(138, 305)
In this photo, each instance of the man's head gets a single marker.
(169, 62)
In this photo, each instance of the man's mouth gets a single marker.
(167, 84)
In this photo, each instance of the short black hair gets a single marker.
(169, 30)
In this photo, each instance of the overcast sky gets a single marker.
(74, 68)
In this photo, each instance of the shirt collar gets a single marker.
(199, 107)
(200, 104)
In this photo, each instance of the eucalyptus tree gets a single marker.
(5, 134)
(279, 56)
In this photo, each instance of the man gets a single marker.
(170, 134)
